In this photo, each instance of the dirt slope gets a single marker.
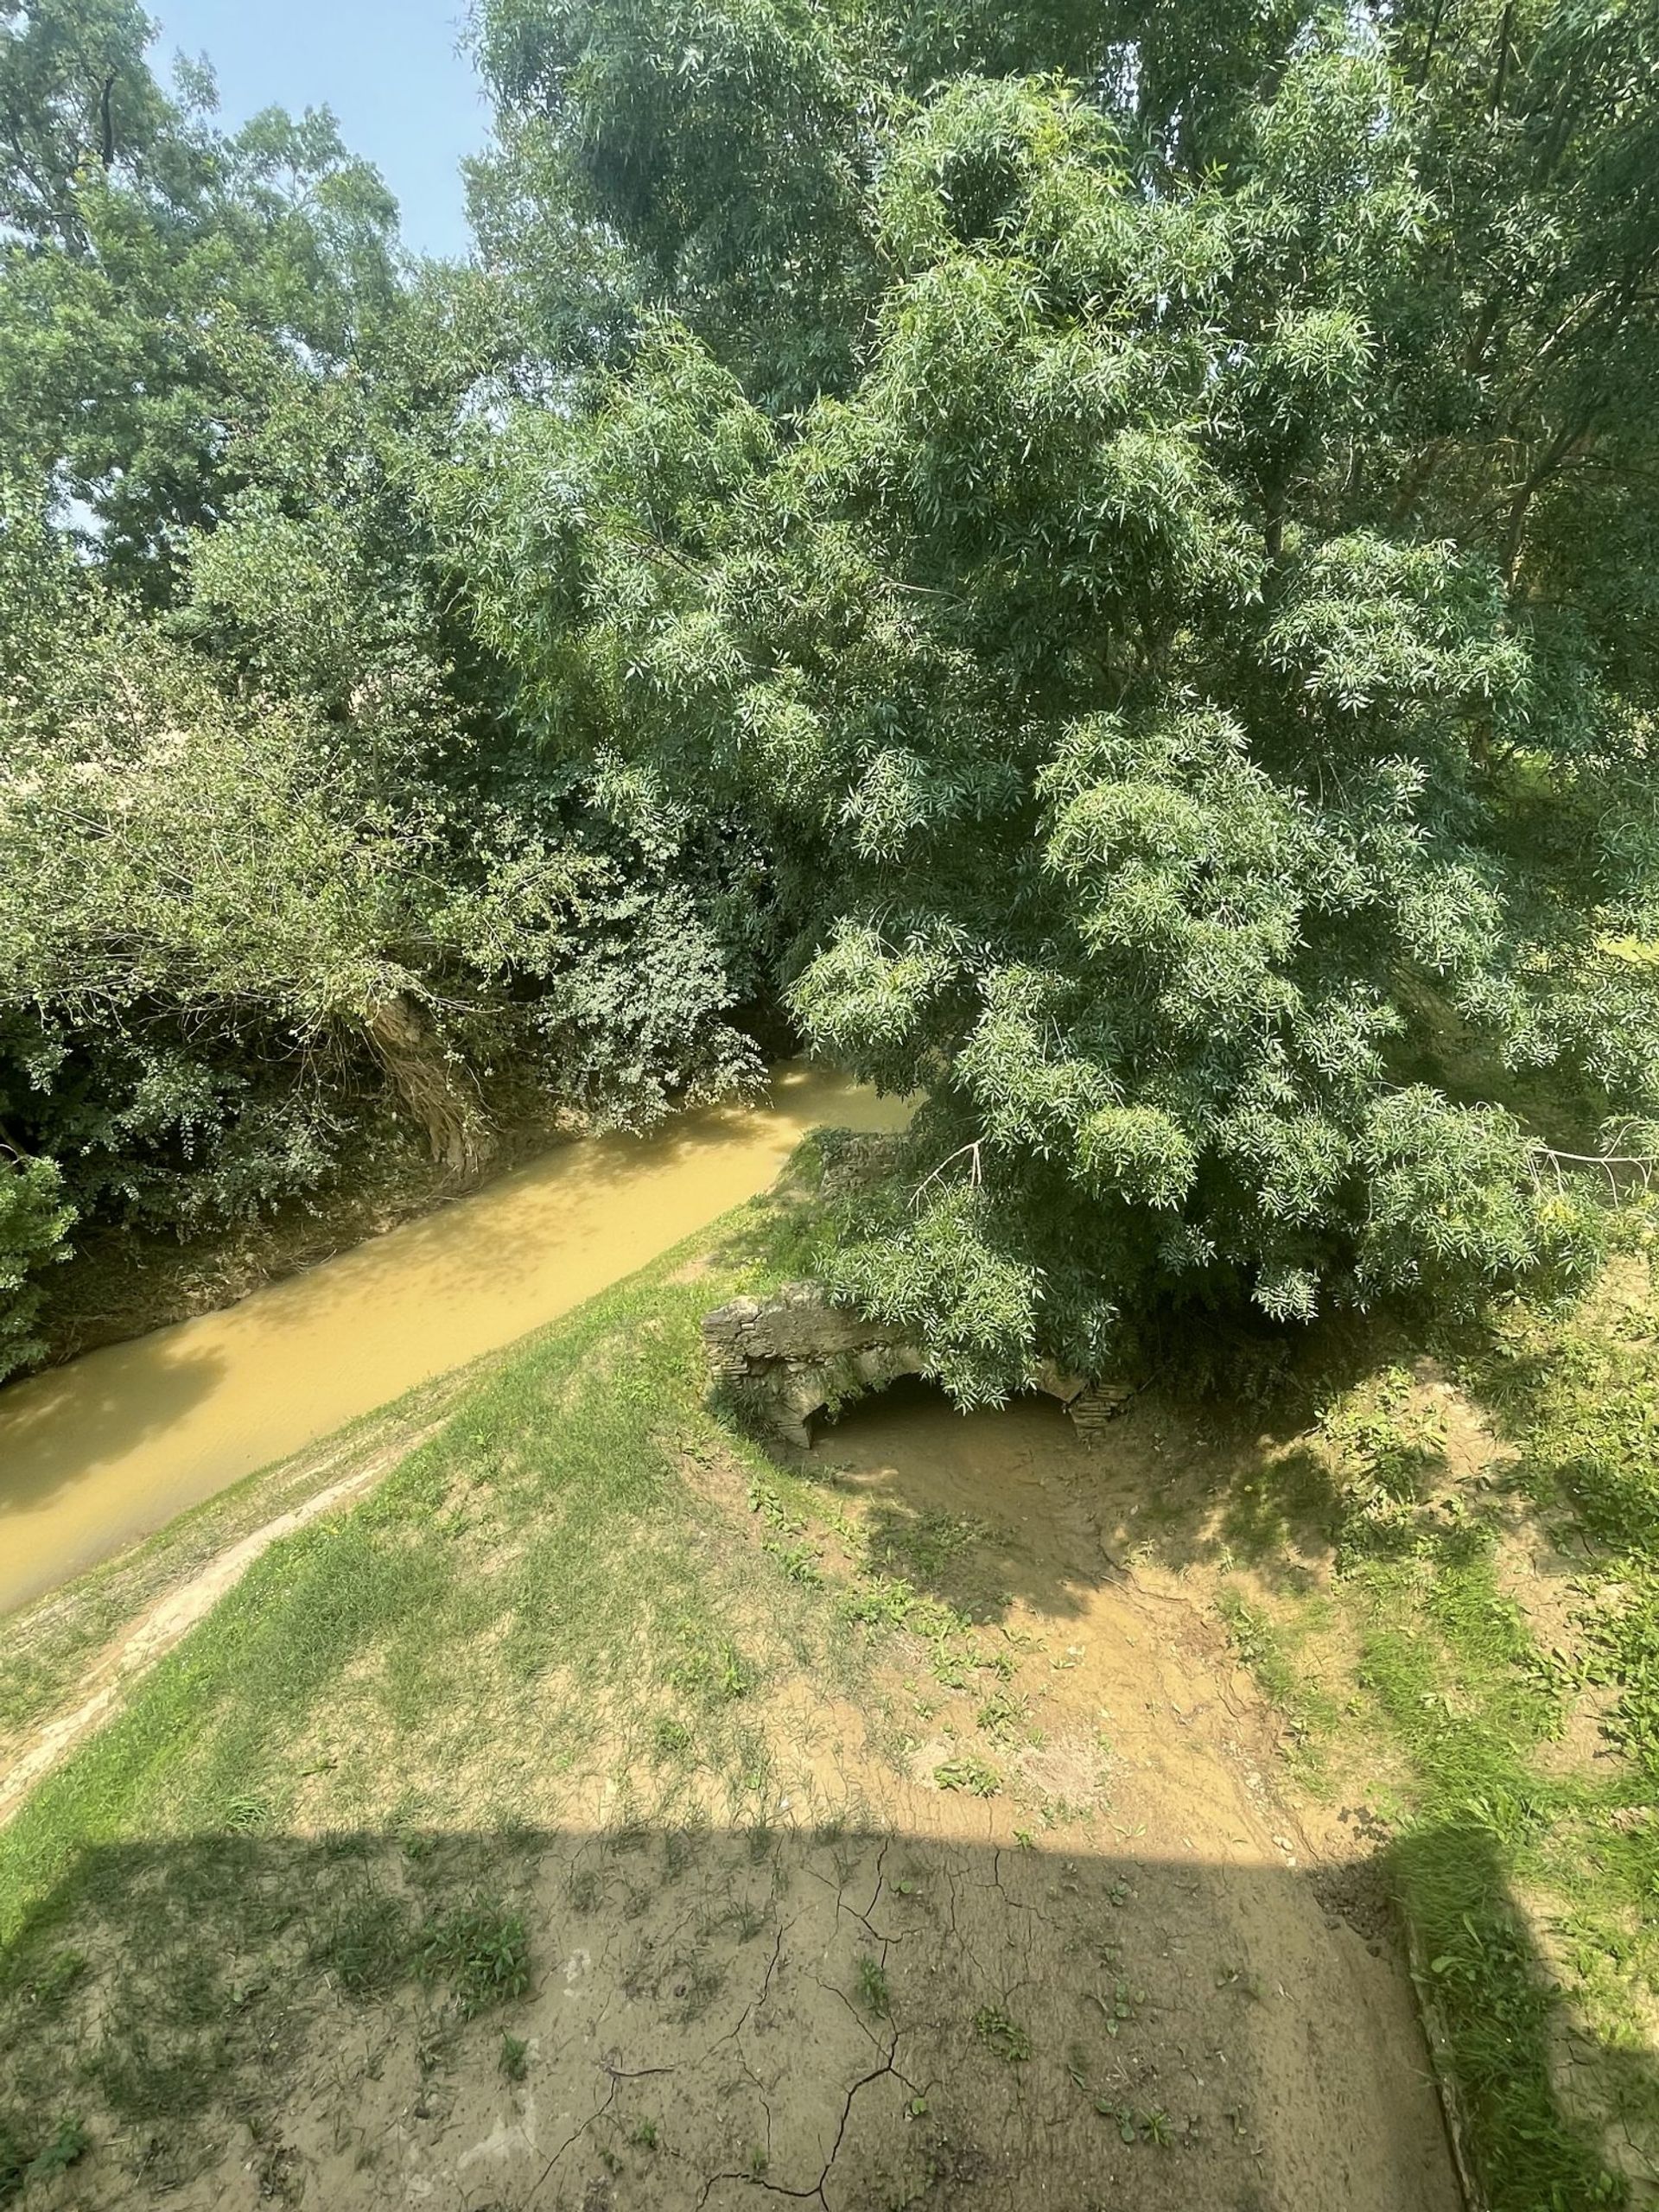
(1116, 1980)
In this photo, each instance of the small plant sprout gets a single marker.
(68, 2142)
(1002, 2035)
(873, 1991)
(1122, 2008)
(1135, 2126)
(969, 1772)
(673, 1737)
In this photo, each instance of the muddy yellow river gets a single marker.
(110, 1448)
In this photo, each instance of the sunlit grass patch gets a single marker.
(1415, 1682)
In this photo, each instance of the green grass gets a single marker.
(492, 1554)
(1442, 1666)
(480, 1951)
(414, 1681)
(431, 1660)
(1267, 1648)
(1417, 1680)
(365, 1948)
(47, 1649)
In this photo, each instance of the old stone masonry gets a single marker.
(786, 1357)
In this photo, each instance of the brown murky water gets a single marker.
(111, 1447)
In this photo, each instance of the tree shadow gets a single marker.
(1187, 1478)
(980, 1508)
(1547, 2105)
(709, 2016)
(977, 1511)
(64, 1503)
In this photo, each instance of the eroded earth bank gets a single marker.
(936, 1858)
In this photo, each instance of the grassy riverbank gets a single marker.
(588, 1679)
(52, 1649)
(1449, 1583)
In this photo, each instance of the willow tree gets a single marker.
(1201, 745)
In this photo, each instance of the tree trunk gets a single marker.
(107, 122)
(444, 1107)
(1428, 43)
(1501, 74)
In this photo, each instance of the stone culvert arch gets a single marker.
(783, 1359)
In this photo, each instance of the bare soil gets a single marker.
(1125, 1977)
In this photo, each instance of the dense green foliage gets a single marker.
(1155, 524)
(1105, 558)
(279, 881)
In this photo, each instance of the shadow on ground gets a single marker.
(887, 1995)
(711, 2017)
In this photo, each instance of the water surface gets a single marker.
(106, 1450)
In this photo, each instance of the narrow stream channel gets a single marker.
(107, 1449)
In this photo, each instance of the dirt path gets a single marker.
(163, 1625)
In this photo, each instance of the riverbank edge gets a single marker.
(1465, 1970)
(58, 1645)
(122, 1284)
(55, 1646)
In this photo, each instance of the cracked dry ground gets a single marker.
(1121, 1981)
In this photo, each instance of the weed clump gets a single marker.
(1002, 2035)
(482, 1950)
(20, 2165)
(711, 1669)
(1387, 1445)
(478, 1948)
(968, 1771)
(873, 1992)
(364, 1950)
